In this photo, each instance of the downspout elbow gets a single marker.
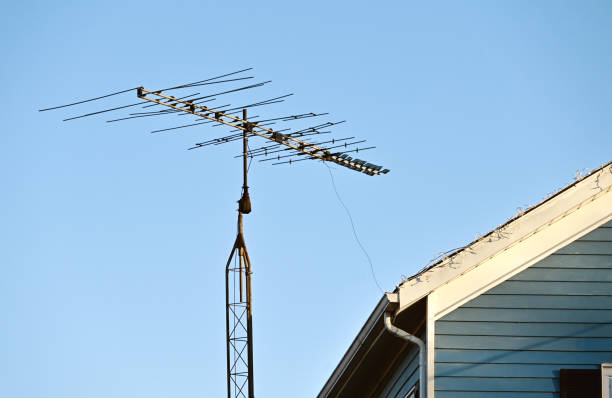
(402, 333)
(421, 346)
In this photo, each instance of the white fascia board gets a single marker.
(430, 347)
(606, 380)
(522, 254)
(591, 201)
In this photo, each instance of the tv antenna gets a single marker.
(284, 146)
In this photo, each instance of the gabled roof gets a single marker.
(523, 240)
(528, 237)
(521, 212)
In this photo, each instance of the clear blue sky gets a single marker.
(114, 240)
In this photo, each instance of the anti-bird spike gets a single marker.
(238, 270)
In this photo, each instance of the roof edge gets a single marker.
(357, 345)
(448, 255)
(518, 228)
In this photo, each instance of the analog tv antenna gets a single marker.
(282, 144)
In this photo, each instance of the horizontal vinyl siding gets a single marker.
(570, 261)
(524, 329)
(534, 301)
(453, 355)
(539, 370)
(405, 376)
(513, 340)
(494, 394)
(508, 384)
(527, 343)
(548, 315)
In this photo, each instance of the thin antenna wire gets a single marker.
(206, 80)
(88, 100)
(103, 111)
(348, 213)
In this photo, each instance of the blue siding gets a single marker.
(508, 384)
(497, 394)
(405, 376)
(513, 340)
(539, 370)
(486, 328)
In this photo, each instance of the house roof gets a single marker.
(547, 216)
(516, 244)
(520, 213)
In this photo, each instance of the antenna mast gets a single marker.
(286, 146)
(239, 335)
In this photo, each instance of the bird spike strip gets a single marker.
(313, 151)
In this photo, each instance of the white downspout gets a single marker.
(413, 339)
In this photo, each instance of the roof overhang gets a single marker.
(367, 333)
(374, 353)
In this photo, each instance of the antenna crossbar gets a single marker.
(255, 129)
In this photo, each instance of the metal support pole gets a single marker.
(247, 262)
(244, 152)
(238, 304)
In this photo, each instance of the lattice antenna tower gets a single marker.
(284, 146)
